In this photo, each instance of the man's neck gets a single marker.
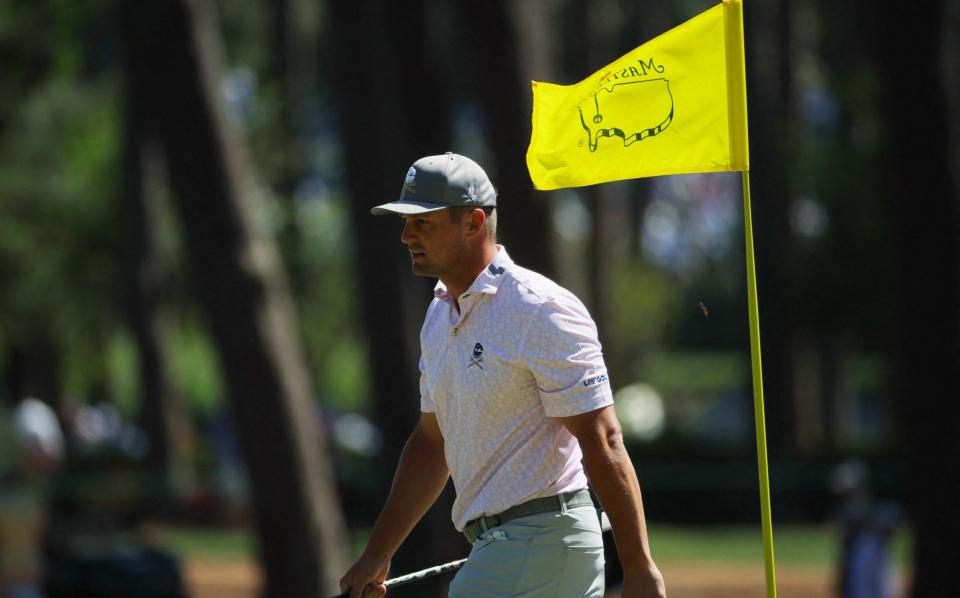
(472, 269)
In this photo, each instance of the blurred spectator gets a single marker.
(31, 446)
(91, 544)
(866, 528)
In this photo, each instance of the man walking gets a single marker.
(514, 394)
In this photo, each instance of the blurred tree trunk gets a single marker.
(388, 122)
(925, 216)
(591, 54)
(770, 97)
(287, 76)
(493, 58)
(145, 274)
(855, 246)
(172, 58)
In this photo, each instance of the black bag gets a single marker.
(127, 572)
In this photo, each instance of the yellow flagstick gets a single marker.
(765, 517)
(737, 123)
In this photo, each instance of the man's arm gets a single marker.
(614, 481)
(420, 477)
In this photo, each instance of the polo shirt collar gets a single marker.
(488, 281)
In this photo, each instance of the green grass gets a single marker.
(814, 546)
(203, 542)
(793, 545)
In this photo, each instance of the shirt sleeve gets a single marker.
(426, 403)
(563, 352)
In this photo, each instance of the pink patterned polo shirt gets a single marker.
(521, 352)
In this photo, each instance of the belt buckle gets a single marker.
(487, 522)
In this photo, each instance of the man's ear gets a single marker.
(476, 219)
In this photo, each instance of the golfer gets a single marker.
(515, 405)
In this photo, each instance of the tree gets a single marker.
(837, 314)
(770, 97)
(172, 67)
(924, 204)
(145, 278)
(289, 77)
(393, 109)
(497, 79)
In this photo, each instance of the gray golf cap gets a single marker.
(437, 182)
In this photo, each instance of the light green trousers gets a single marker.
(555, 555)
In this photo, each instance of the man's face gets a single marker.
(436, 243)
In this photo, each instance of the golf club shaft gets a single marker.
(446, 567)
(418, 575)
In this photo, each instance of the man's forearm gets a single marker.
(614, 481)
(420, 477)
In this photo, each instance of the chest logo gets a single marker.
(477, 358)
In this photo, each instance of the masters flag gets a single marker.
(677, 104)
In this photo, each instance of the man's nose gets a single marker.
(406, 235)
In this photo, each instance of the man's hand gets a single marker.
(366, 577)
(421, 475)
(647, 583)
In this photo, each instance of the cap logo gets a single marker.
(410, 182)
(472, 192)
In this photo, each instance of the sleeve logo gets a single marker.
(592, 380)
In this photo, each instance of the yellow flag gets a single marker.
(676, 104)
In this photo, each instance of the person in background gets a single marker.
(866, 529)
(31, 446)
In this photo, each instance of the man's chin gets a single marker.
(420, 270)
